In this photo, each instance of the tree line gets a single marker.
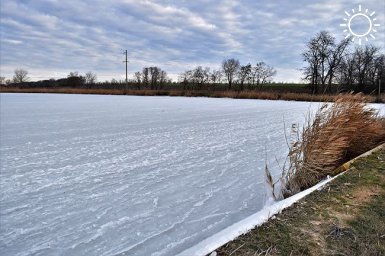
(333, 66)
(73, 79)
(330, 67)
(231, 73)
(153, 78)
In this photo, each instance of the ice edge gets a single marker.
(230, 233)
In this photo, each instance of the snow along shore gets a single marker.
(212, 243)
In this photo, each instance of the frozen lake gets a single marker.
(104, 175)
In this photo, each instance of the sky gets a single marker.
(50, 38)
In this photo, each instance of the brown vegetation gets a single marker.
(246, 94)
(337, 133)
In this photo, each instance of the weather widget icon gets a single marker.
(360, 24)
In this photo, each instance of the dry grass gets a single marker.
(337, 133)
(246, 94)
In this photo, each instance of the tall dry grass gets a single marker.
(335, 134)
(246, 94)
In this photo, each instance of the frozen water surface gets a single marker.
(104, 175)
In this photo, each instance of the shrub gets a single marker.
(337, 133)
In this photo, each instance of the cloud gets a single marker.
(52, 37)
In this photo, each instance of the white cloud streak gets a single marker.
(51, 37)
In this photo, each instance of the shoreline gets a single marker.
(261, 95)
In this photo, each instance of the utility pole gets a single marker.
(126, 71)
(379, 82)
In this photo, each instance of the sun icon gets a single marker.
(363, 17)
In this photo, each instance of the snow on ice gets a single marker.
(107, 175)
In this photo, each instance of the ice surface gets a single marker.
(230, 233)
(103, 175)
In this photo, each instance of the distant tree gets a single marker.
(262, 73)
(199, 76)
(216, 76)
(20, 76)
(186, 78)
(324, 58)
(138, 79)
(206, 75)
(230, 68)
(345, 72)
(365, 66)
(73, 74)
(154, 76)
(90, 78)
(162, 78)
(2, 80)
(75, 80)
(145, 76)
(267, 73)
(379, 72)
(243, 74)
(316, 55)
(334, 61)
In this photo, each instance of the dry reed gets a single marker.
(246, 94)
(337, 133)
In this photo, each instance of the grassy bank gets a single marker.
(265, 95)
(345, 218)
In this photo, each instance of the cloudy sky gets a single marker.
(51, 38)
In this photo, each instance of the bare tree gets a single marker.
(20, 76)
(334, 61)
(262, 73)
(73, 74)
(345, 72)
(316, 55)
(364, 59)
(185, 78)
(362, 70)
(216, 76)
(230, 68)
(90, 78)
(162, 78)
(199, 76)
(206, 75)
(243, 74)
(2, 80)
(138, 78)
(154, 76)
(146, 76)
(267, 74)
